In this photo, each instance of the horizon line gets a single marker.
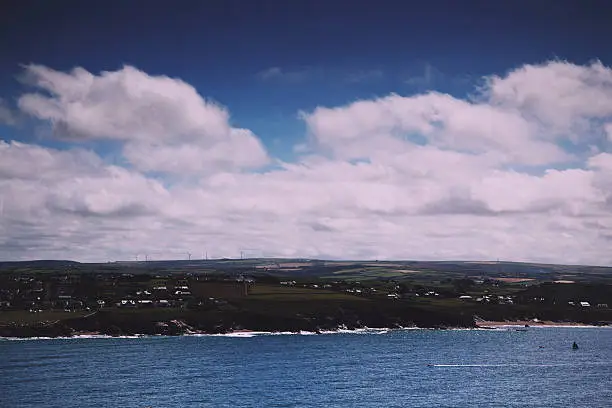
(304, 259)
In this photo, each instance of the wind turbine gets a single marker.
(189, 255)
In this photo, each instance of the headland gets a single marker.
(62, 299)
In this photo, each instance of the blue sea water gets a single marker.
(410, 368)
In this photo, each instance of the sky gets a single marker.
(436, 130)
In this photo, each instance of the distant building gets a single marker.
(127, 303)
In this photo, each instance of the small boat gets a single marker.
(575, 346)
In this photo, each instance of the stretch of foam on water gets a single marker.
(250, 334)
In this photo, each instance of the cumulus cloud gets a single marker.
(425, 176)
(392, 123)
(146, 112)
(55, 202)
(240, 149)
(567, 100)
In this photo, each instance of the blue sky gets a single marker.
(310, 81)
(328, 52)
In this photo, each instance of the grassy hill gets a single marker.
(321, 269)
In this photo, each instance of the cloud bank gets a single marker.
(519, 170)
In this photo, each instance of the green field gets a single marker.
(283, 293)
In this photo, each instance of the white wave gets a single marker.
(249, 334)
(240, 334)
(246, 334)
(75, 337)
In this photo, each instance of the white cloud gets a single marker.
(30, 162)
(74, 181)
(127, 104)
(411, 177)
(240, 150)
(601, 161)
(151, 113)
(566, 99)
(365, 128)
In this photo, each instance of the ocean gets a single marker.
(375, 368)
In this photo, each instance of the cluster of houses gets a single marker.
(98, 291)
(587, 304)
(497, 299)
(90, 292)
(510, 300)
(349, 287)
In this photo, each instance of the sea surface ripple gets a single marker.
(411, 368)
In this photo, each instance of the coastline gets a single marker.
(236, 334)
(484, 325)
(240, 333)
(490, 324)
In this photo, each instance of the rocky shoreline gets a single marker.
(180, 329)
(181, 323)
(51, 334)
(293, 316)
